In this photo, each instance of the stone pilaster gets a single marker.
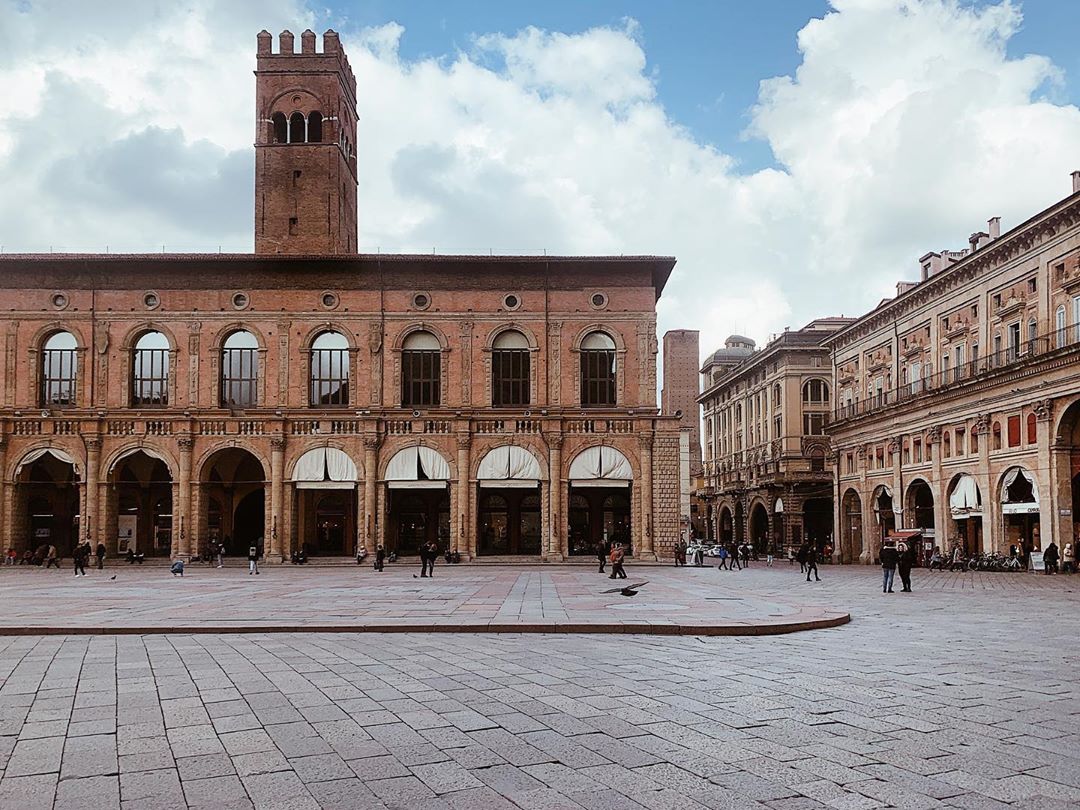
(466, 536)
(370, 528)
(646, 548)
(277, 497)
(555, 547)
(90, 524)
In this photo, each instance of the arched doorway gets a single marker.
(418, 496)
(141, 489)
(759, 528)
(965, 510)
(508, 482)
(883, 511)
(740, 523)
(818, 522)
(726, 526)
(46, 502)
(851, 528)
(1020, 510)
(600, 497)
(324, 505)
(233, 501)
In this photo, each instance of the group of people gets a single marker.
(616, 555)
(896, 555)
(82, 554)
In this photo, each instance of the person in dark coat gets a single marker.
(1050, 558)
(905, 558)
(889, 558)
(78, 557)
(811, 562)
(100, 556)
(801, 557)
(601, 555)
(380, 557)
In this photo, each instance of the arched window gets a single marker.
(817, 459)
(598, 360)
(816, 392)
(297, 128)
(776, 396)
(997, 436)
(1060, 327)
(281, 127)
(510, 370)
(314, 127)
(240, 370)
(421, 370)
(59, 370)
(150, 371)
(330, 369)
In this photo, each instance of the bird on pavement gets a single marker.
(628, 590)
(113, 576)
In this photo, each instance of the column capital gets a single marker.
(185, 443)
(1044, 409)
(277, 444)
(464, 441)
(93, 443)
(554, 440)
(645, 441)
(372, 442)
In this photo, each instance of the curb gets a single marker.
(413, 627)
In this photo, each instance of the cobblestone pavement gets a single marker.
(959, 695)
(288, 597)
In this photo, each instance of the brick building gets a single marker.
(958, 401)
(680, 391)
(311, 396)
(768, 475)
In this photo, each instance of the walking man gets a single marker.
(100, 556)
(770, 553)
(811, 562)
(617, 557)
(889, 559)
(380, 557)
(253, 560)
(733, 558)
(1050, 558)
(79, 558)
(601, 555)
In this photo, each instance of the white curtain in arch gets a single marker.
(59, 455)
(509, 466)
(417, 468)
(145, 450)
(600, 466)
(779, 508)
(325, 468)
(965, 500)
(1018, 507)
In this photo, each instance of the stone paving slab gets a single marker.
(284, 599)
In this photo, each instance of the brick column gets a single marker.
(187, 532)
(555, 548)
(277, 496)
(371, 506)
(89, 527)
(991, 512)
(466, 537)
(6, 490)
(1050, 525)
(645, 443)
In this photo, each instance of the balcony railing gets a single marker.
(1028, 350)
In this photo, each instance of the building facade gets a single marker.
(768, 477)
(308, 396)
(956, 407)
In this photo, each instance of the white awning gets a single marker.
(600, 466)
(129, 453)
(418, 464)
(325, 468)
(1018, 507)
(508, 464)
(965, 500)
(34, 455)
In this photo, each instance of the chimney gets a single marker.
(286, 40)
(1076, 181)
(265, 41)
(978, 239)
(307, 42)
(993, 225)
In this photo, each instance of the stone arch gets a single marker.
(72, 454)
(309, 102)
(45, 331)
(851, 526)
(217, 342)
(392, 448)
(298, 450)
(132, 334)
(510, 326)
(203, 464)
(614, 334)
(759, 525)
(631, 457)
(116, 457)
(420, 326)
(308, 338)
(537, 448)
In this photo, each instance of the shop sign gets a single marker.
(1036, 562)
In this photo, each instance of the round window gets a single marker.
(598, 300)
(59, 301)
(511, 302)
(151, 300)
(240, 300)
(421, 301)
(329, 300)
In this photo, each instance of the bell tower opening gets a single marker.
(305, 163)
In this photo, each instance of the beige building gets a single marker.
(767, 458)
(956, 407)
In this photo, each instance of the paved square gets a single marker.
(959, 695)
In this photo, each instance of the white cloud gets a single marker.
(905, 127)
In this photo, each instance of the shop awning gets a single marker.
(149, 451)
(965, 500)
(325, 468)
(1015, 496)
(55, 452)
(509, 466)
(417, 468)
(600, 467)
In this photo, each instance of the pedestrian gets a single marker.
(178, 568)
(78, 557)
(432, 556)
(380, 557)
(1050, 558)
(220, 547)
(617, 557)
(904, 560)
(770, 554)
(889, 558)
(601, 555)
(957, 559)
(680, 553)
(746, 555)
(253, 560)
(811, 561)
(801, 557)
(100, 556)
(733, 558)
(1068, 559)
(723, 557)
(51, 558)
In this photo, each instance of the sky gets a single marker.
(795, 156)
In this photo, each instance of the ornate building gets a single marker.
(767, 460)
(306, 395)
(957, 401)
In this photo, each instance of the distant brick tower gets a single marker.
(305, 160)
(680, 389)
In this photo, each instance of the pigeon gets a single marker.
(629, 590)
(113, 576)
